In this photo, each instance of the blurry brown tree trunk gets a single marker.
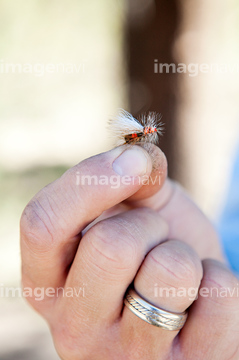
(150, 33)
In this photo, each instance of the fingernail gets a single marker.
(133, 162)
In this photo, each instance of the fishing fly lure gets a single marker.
(128, 130)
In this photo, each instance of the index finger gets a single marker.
(54, 218)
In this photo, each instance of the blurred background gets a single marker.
(66, 68)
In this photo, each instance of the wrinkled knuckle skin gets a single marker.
(223, 288)
(180, 269)
(114, 242)
(36, 227)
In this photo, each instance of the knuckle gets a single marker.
(178, 266)
(113, 240)
(36, 226)
(221, 284)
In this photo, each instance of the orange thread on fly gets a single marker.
(129, 130)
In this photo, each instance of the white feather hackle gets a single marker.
(125, 124)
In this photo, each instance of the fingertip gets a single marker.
(155, 181)
(159, 160)
(133, 161)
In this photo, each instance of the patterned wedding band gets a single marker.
(153, 315)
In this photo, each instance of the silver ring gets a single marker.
(153, 315)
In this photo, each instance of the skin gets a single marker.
(103, 239)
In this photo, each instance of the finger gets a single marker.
(153, 183)
(212, 327)
(166, 279)
(186, 221)
(107, 260)
(51, 222)
(150, 185)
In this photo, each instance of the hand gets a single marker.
(152, 235)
